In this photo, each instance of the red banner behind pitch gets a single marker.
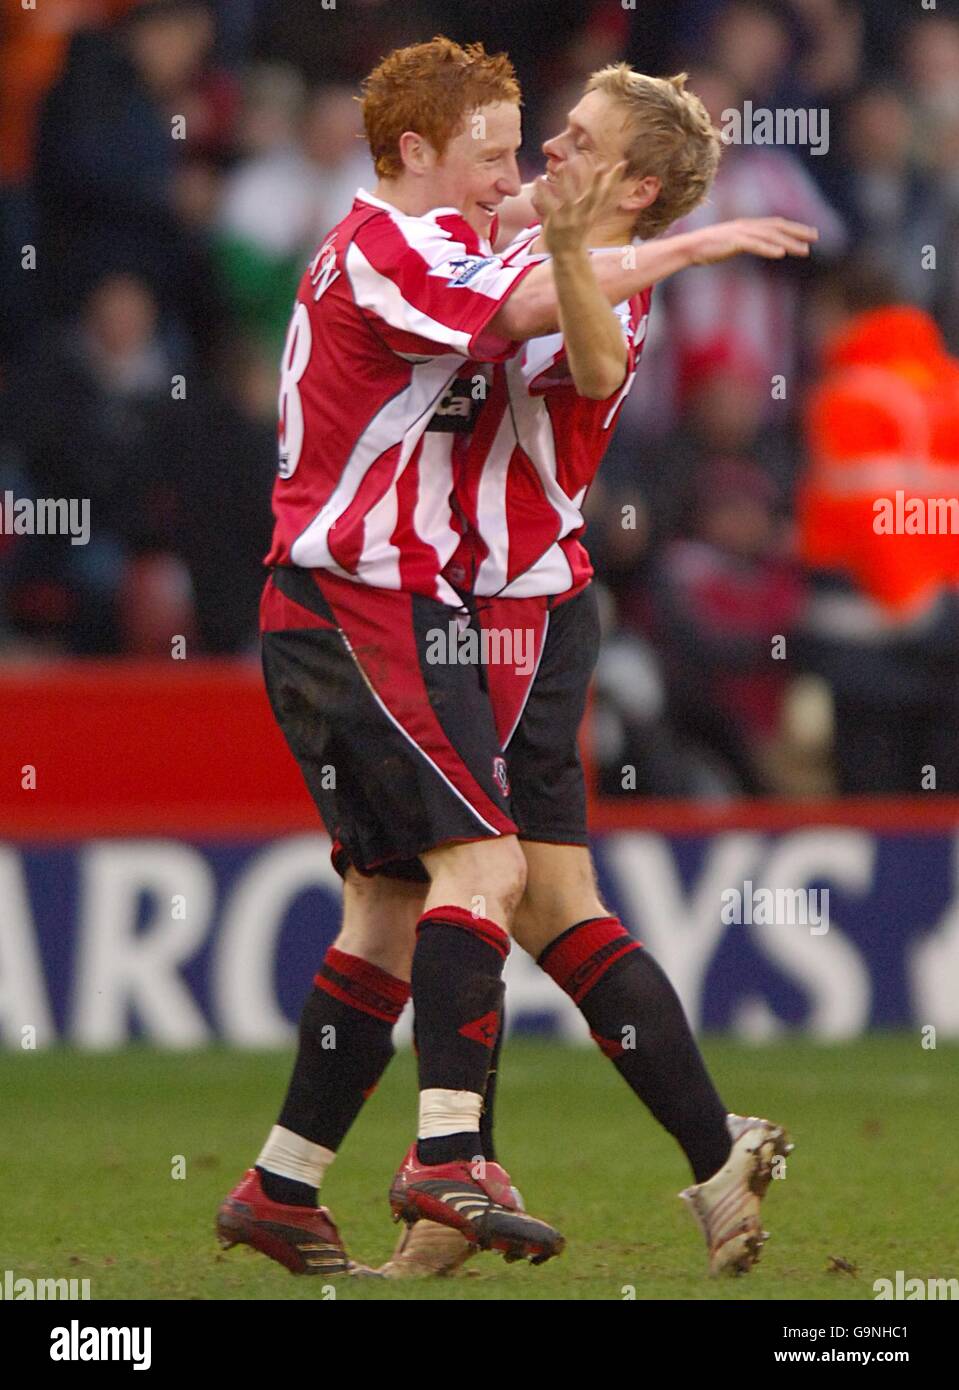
(167, 748)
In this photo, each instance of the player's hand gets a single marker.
(770, 237)
(571, 203)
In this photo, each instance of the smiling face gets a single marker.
(443, 127)
(478, 168)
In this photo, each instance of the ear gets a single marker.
(645, 192)
(416, 152)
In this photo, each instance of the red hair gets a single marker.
(430, 88)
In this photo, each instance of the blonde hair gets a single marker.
(671, 138)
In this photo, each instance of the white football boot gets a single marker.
(727, 1205)
(427, 1250)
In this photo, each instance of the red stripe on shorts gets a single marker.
(378, 624)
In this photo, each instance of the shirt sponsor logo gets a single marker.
(457, 409)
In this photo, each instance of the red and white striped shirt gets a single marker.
(385, 317)
(534, 453)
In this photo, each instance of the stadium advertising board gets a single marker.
(829, 929)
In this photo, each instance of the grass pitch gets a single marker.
(88, 1145)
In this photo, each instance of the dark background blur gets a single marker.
(146, 282)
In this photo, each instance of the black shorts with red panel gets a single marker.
(398, 748)
(539, 703)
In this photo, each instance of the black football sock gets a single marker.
(635, 1017)
(458, 998)
(286, 1190)
(487, 1145)
(346, 1041)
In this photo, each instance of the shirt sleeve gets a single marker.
(429, 287)
(546, 365)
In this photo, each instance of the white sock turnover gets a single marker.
(448, 1112)
(289, 1155)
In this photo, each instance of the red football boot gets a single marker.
(304, 1239)
(427, 1250)
(483, 1209)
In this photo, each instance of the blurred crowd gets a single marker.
(168, 166)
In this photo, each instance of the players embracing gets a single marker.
(637, 154)
(404, 757)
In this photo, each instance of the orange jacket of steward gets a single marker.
(883, 436)
(33, 45)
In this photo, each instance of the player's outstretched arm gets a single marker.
(595, 347)
(533, 309)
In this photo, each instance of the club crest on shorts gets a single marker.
(500, 775)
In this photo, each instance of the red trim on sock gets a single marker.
(610, 1047)
(365, 972)
(368, 988)
(333, 989)
(480, 926)
(579, 959)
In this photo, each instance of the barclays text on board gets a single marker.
(182, 943)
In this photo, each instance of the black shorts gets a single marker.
(538, 713)
(399, 750)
